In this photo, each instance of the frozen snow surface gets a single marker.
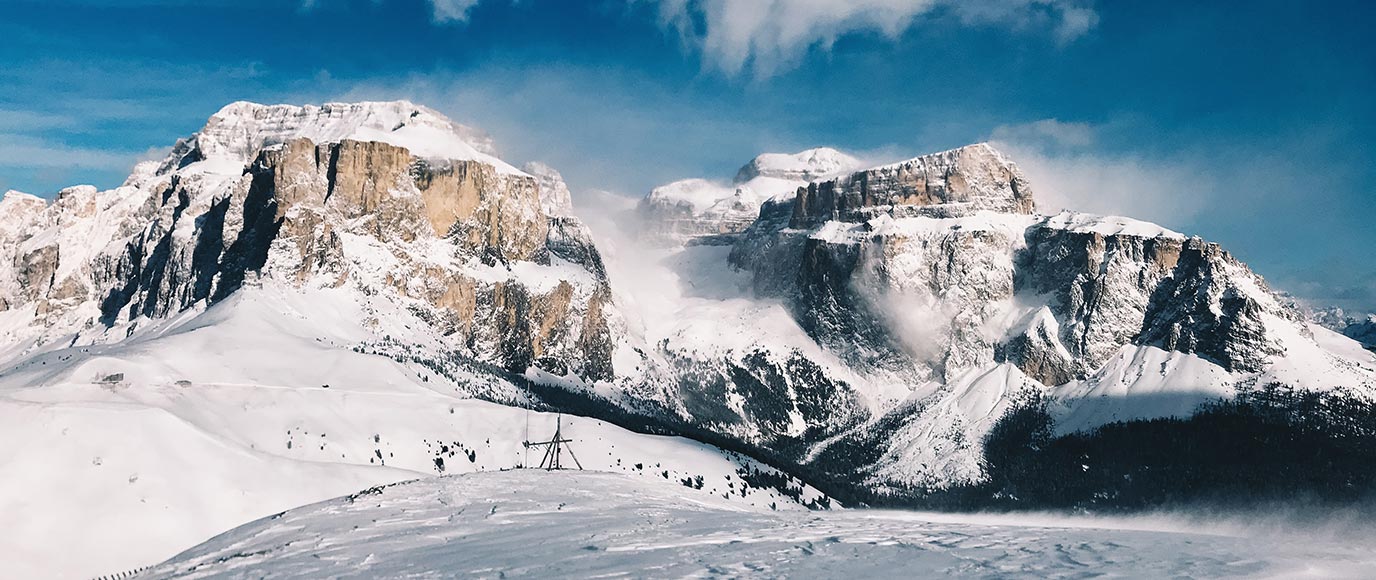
(584, 524)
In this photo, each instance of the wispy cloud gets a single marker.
(28, 152)
(1067, 171)
(442, 11)
(767, 36)
(452, 10)
(60, 117)
(19, 120)
(1047, 133)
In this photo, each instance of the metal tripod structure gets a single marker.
(555, 448)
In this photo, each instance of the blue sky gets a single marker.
(1253, 127)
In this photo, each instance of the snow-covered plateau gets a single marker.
(586, 525)
(299, 303)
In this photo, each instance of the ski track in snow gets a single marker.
(585, 524)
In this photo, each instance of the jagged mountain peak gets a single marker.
(983, 150)
(240, 130)
(390, 202)
(981, 153)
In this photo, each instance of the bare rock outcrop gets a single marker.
(947, 184)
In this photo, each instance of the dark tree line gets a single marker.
(1270, 444)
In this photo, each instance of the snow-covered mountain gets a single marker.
(876, 326)
(676, 212)
(1358, 327)
(375, 276)
(1363, 331)
(394, 202)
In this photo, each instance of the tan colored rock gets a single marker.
(363, 177)
(493, 215)
(453, 192)
(296, 175)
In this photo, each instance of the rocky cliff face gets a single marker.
(948, 184)
(450, 235)
(946, 242)
(699, 208)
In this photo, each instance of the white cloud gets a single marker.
(1067, 173)
(1046, 133)
(767, 36)
(442, 11)
(452, 10)
(1075, 21)
(17, 120)
(21, 151)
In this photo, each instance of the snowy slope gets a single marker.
(253, 406)
(536, 524)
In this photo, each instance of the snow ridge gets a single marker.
(239, 130)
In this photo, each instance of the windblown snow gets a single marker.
(536, 524)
